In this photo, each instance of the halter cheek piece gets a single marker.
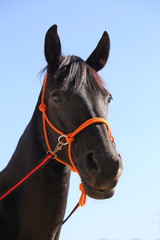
(67, 139)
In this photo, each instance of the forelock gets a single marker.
(73, 73)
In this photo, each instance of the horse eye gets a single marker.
(56, 98)
(110, 99)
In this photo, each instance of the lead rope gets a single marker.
(34, 170)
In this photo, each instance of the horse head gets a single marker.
(74, 94)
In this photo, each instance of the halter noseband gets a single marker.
(67, 139)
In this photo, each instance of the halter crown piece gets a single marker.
(69, 138)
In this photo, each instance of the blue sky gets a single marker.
(132, 75)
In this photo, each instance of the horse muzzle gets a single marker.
(100, 174)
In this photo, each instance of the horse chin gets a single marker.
(97, 193)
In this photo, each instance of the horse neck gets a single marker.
(53, 179)
(29, 152)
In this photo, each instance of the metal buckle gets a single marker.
(61, 142)
(51, 152)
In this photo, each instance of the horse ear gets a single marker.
(53, 47)
(99, 56)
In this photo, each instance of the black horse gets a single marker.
(74, 93)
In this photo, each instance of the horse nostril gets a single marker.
(91, 162)
(98, 165)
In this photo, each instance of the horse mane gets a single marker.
(73, 73)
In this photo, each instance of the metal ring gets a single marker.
(62, 141)
(114, 144)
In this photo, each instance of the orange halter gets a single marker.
(69, 138)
